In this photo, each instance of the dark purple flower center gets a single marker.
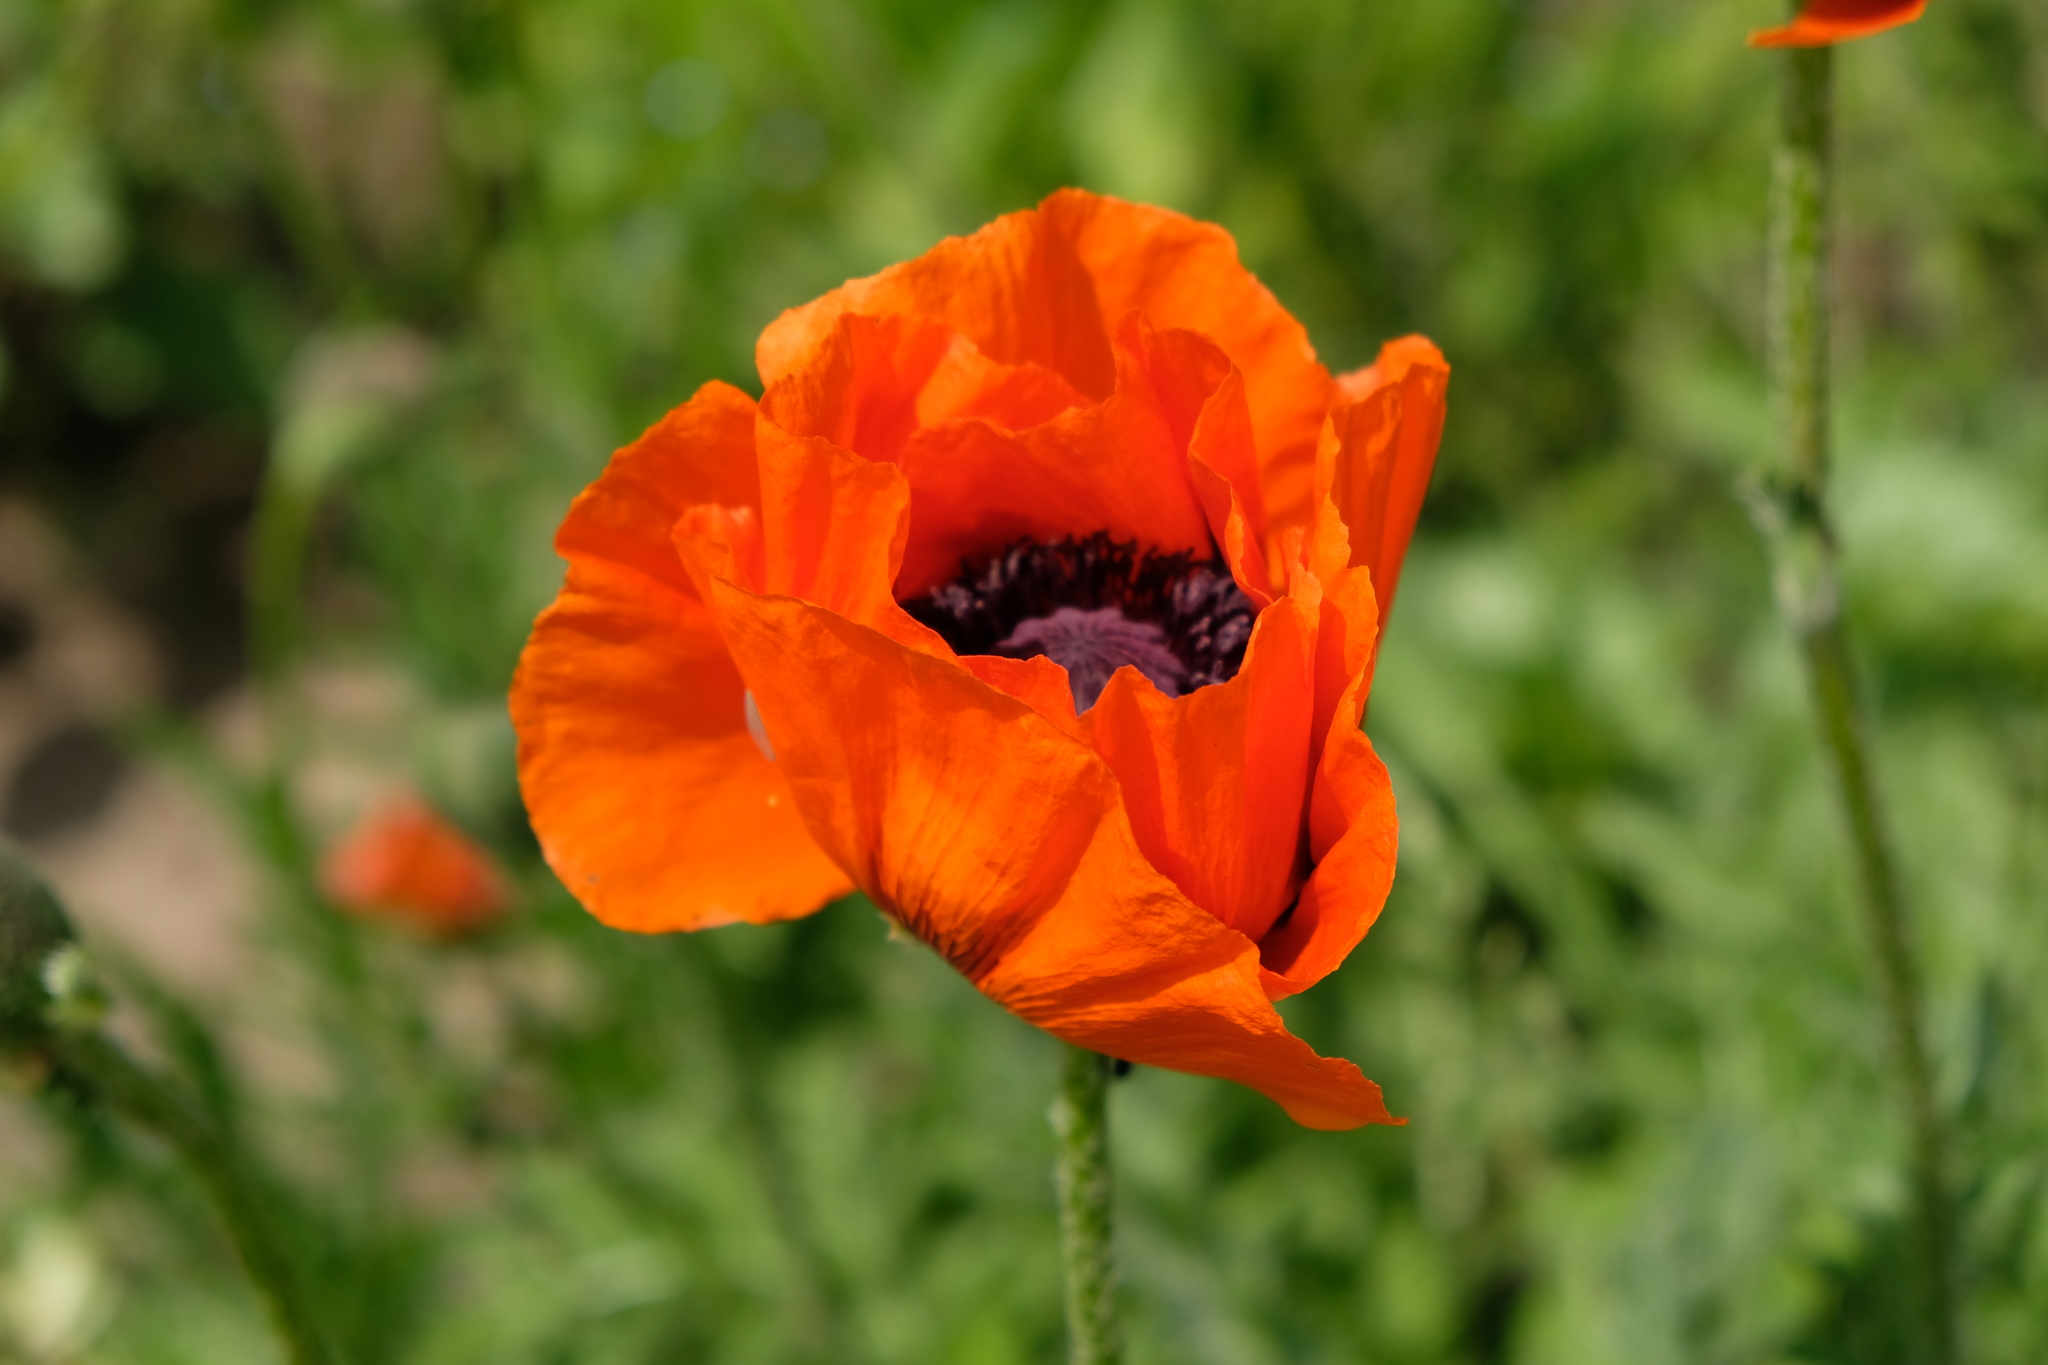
(1092, 605)
(1091, 645)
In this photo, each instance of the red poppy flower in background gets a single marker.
(404, 862)
(1821, 23)
(1037, 598)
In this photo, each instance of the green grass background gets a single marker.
(1618, 989)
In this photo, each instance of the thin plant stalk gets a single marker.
(1080, 1125)
(1790, 508)
(151, 1104)
(50, 1010)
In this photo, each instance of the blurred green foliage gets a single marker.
(418, 265)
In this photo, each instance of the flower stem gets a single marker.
(149, 1103)
(50, 1011)
(1080, 1124)
(1790, 510)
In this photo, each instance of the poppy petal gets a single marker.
(860, 385)
(1002, 843)
(1202, 395)
(1147, 998)
(651, 800)
(1038, 682)
(872, 382)
(873, 386)
(1181, 273)
(1347, 629)
(1376, 457)
(1387, 429)
(833, 528)
(970, 386)
(1215, 782)
(1017, 291)
(1822, 23)
(1113, 466)
(700, 452)
(1047, 286)
(1354, 837)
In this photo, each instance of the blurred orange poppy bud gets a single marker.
(404, 862)
(1821, 23)
(1038, 599)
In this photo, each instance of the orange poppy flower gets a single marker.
(1821, 23)
(1037, 598)
(405, 862)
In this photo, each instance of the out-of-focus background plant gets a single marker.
(315, 315)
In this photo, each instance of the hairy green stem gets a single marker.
(1080, 1124)
(149, 1103)
(1790, 509)
(50, 1010)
